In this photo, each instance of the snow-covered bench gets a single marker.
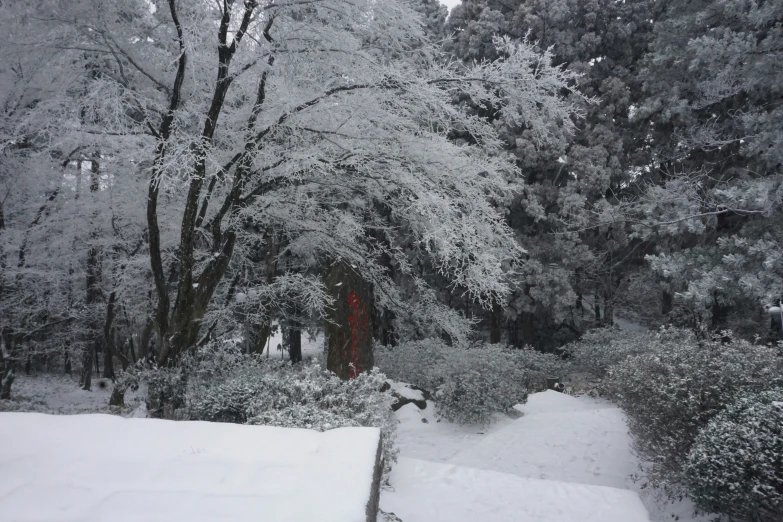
(110, 469)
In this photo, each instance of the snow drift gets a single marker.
(109, 469)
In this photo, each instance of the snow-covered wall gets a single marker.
(110, 469)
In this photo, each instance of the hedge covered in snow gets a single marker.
(222, 385)
(470, 384)
(736, 463)
(675, 389)
(601, 349)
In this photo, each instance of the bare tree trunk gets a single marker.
(667, 302)
(295, 343)
(495, 323)
(6, 369)
(263, 331)
(108, 339)
(67, 356)
(608, 308)
(132, 350)
(86, 378)
(528, 328)
(528, 322)
(146, 336)
(349, 322)
(179, 329)
(93, 288)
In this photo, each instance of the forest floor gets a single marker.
(565, 459)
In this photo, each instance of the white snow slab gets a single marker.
(403, 390)
(105, 468)
(560, 438)
(433, 492)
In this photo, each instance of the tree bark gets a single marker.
(495, 323)
(528, 328)
(264, 330)
(144, 341)
(87, 358)
(67, 356)
(179, 330)
(108, 339)
(93, 288)
(348, 323)
(295, 343)
(6, 370)
(608, 309)
(667, 302)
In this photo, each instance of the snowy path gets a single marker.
(563, 438)
(566, 460)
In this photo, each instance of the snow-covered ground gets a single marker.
(105, 468)
(566, 459)
(61, 394)
(433, 492)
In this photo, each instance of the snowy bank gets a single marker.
(110, 469)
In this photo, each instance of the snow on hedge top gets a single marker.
(109, 469)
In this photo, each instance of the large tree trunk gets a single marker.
(348, 323)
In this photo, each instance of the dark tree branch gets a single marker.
(164, 132)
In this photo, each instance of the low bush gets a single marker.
(673, 391)
(736, 464)
(599, 350)
(222, 385)
(470, 384)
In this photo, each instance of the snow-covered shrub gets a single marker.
(226, 386)
(165, 390)
(672, 392)
(126, 380)
(314, 398)
(600, 349)
(414, 362)
(736, 464)
(478, 382)
(470, 384)
(539, 366)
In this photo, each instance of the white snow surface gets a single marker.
(560, 437)
(404, 390)
(111, 469)
(566, 459)
(434, 492)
